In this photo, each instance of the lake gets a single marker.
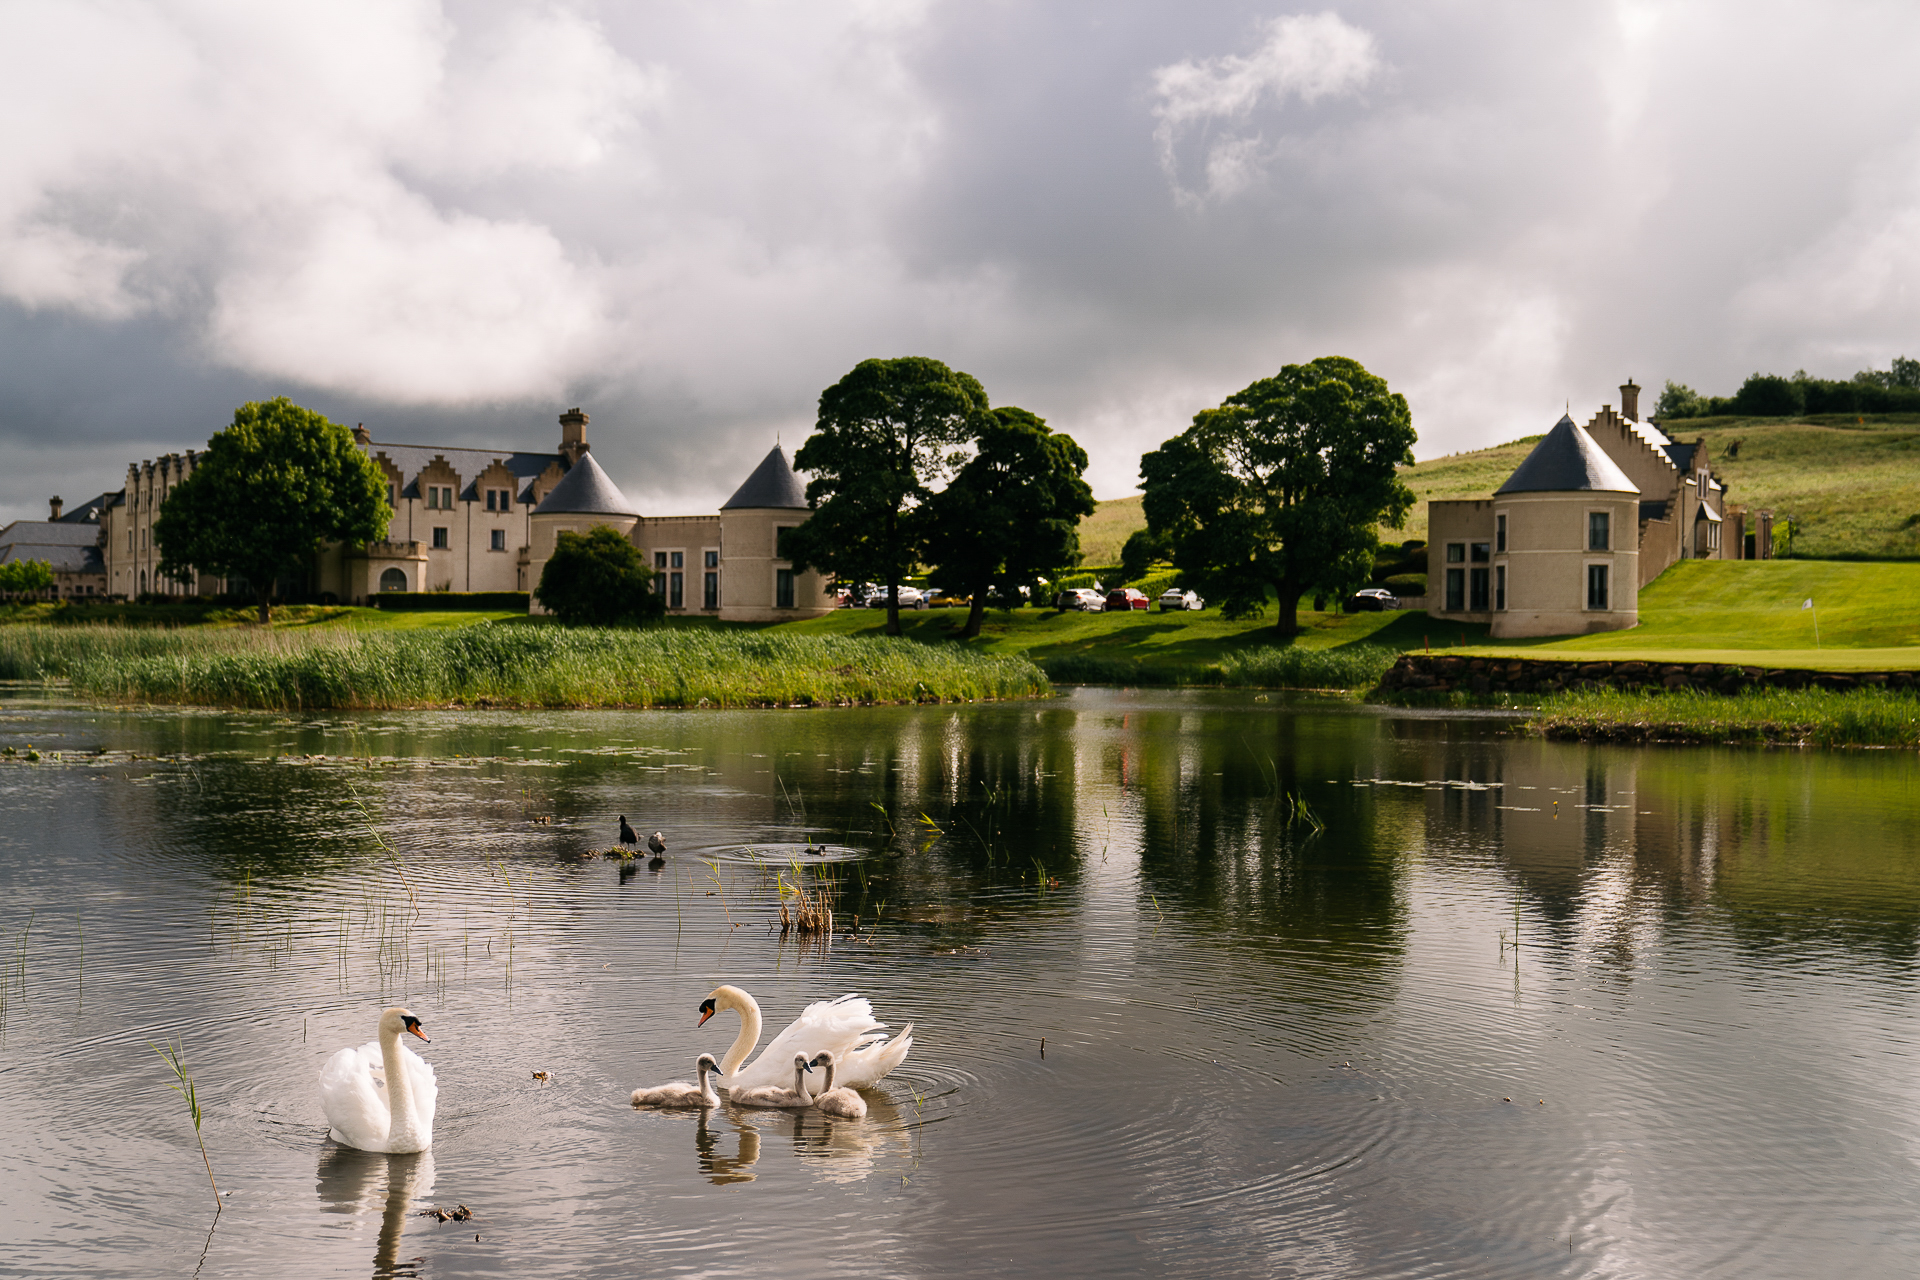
(1202, 983)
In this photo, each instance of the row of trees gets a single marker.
(1767, 395)
(1274, 494)
(25, 577)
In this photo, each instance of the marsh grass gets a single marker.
(1810, 717)
(506, 667)
(1354, 666)
(183, 1085)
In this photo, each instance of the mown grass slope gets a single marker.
(1719, 610)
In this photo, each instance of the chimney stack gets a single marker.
(361, 435)
(1630, 401)
(55, 503)
(573, 435)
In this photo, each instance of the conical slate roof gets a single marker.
(585, 490)
(1567, 461)
(772, 484)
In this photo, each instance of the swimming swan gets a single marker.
(773, 1095)
(844, 1027)
(680, 1093)
(380, 1096)
(837, 1102)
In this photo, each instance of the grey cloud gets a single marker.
(454, 222)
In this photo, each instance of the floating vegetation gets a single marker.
(507, 666)
(459, 1213)
(807, 911)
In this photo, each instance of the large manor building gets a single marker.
(486, 520)
(1590, 517)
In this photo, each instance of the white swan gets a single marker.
(380, 1096)
(773, 1095)
(844, 1027)
(680, 1093)
(837, 1102)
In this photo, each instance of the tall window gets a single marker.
(1500, 533)
(677, 560)
(1599, 532)
(711, 594)
(676, 589)
(392, 499)
(491, 500)
(1456, 590)
(713, 559)
(1478, 592)
(439, 538)
(499, 539)
(783, 588)
(1596, 586)
(660, 573)
(1499, 586)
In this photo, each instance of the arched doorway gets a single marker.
(393, 580)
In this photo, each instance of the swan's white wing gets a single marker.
(426, 1088)
(841, 1026)
(353, 1096)
(868, 1065)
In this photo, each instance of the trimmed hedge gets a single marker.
(439, 601)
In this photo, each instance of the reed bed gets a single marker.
(484, 665)
(1809, 717)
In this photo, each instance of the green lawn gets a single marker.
(1750, 611)
(1153, 639)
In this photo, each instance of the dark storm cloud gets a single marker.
(452, 223)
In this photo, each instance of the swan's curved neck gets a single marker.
(399, 1087)
(707, 1094)
(800, 1082)
(749, 1011)
(828, 1087)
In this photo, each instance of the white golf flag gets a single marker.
(1808, 604)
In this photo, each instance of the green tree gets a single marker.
(886, 433)
(32, 576)
(598, 579)
(270, 492)
(1138, 554)
(1677, 400)
(1278, 491)
(1768, 395)
(1012, 514)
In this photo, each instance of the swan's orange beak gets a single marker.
(706, 1011)
(413, 1025)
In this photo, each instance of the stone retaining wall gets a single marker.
(1440, 673)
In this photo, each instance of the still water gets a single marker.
(1202, 985)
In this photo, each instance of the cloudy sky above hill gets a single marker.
(453, 221)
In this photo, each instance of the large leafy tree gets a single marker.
(1279, 490)
(270, 492)
(886, 434)
(1012, 513)
(26, 576)
(598, 579)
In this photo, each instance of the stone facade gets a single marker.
(1591, 516)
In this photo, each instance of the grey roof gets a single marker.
(586, 490)
(87, 512)
(1567, 460)
(67, 548)
(412, 459)
(772, 485)
(1681, 455)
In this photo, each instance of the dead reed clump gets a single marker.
(807, 912)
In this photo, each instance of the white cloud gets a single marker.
(1308, 57)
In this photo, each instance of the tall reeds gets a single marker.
(505, 666)
(170, 1054)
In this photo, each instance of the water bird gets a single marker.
(627, 835)
(380, 1097)
(836, 1102)
(681, 1094)
(774, 1095)
(658, 844)
(844, 1027)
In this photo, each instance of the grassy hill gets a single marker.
(1851, 484)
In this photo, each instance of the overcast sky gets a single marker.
(454, 221)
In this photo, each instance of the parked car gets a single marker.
(1081, 599)
(938, 599)
(1124, 598)
(1372, 600)
(1174, 598)
(910, 598)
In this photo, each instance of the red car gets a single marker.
(1125, 598)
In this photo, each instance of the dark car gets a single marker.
(1125, 598)
(1372, 600)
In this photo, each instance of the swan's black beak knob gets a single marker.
(413, 1025)
(706, 1011)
